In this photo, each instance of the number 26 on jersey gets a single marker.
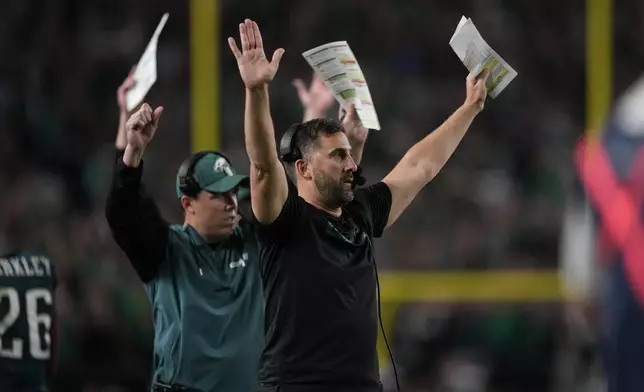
(38, 325)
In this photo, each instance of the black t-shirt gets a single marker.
(320, 286)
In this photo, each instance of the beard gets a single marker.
(334, 193)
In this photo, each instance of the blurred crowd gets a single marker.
(497, 204)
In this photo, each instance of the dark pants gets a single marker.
(623, 333)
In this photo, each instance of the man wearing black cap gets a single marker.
(201, 277)
(316, 241)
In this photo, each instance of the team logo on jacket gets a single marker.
(241, 262)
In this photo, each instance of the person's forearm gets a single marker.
(132, 156)
(135, 221)
(258, 129)
(432, 152)
(121, 135)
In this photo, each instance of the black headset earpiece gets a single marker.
(289, 152)
(188, 184)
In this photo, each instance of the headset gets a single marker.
(188, 184)
(290, 152)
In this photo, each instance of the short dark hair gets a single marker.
(309, 132)
(307, 135)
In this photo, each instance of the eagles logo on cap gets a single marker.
(222, 166)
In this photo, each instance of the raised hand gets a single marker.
(127, 84)
(254, 68)
(316, 100)
(476, 89)
(121, 135)
(353, 128)
(141, 127)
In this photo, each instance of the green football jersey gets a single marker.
(27, 283)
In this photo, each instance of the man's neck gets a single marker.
(207, 240)
(313, 200)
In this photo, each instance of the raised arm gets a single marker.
(269, 188)
(133, 217)
(317, 99)
(121, 136)
(426, 158)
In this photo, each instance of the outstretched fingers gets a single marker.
(250, 31)
(243, 35)
(277, 57)
(259, 41)
(300, 87)
(234, 48)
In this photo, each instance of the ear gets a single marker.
(186, 204)
(302, 169)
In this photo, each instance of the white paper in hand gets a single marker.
(336, 65)
(476, 54)
(146, 70)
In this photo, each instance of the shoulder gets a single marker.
(295, 212)
(378, 190)
(178, 233)
(367, 198)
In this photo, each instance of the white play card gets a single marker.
(146, 70)
(337, 66)
(476, 54)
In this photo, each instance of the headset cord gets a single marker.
(382, 328)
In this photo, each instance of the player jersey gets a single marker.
(27, 283)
